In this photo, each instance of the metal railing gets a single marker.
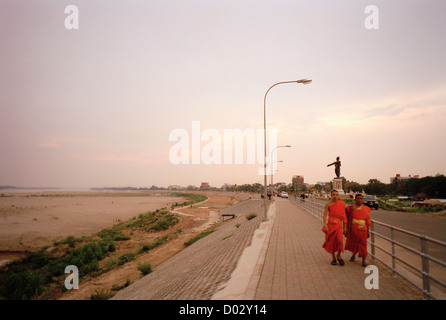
(423, 273)
(424, 277)
(313, 207)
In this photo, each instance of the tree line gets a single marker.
(435, 187)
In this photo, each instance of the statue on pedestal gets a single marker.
(337, 182)
(337, 165)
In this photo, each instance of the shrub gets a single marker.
(126, 258)
(153, 245)
(145, 268)
(117, 287)
(110, 263)
(165, 222)
(36, 260)
(112, 247)
(144, 248)
(71, 241)
(85, 258)
(24, 285)
(112, 235)
(101, 294)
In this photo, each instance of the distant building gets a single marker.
(205, 186)
(421, 196)
(402, 180)
(175, 187)
(297, 180)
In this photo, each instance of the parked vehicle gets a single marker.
(284, 194)
(371, 202)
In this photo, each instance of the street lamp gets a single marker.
(303, 81)
(271, 157)
(272, 174)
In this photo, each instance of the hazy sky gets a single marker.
(95, 106)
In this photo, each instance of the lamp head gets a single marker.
(305, 81)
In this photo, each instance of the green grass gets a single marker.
(126, 258)
(193, 198)
(153, 245)
(250, 216)
(198, 237)
(112, 234)
(165, 222)
(227, 237)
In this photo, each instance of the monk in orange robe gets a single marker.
(334, 227)
(358, 224)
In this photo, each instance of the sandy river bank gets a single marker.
(30, 220)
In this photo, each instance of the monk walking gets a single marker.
(358, 223)
(334, 227)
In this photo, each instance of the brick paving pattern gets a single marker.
(297, 267)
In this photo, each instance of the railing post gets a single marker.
(373, 240)
(392, 236)
(425, 267)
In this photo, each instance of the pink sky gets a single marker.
(94, 107)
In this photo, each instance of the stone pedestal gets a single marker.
(337, 185)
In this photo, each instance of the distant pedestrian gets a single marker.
(358, 224)
(334, 227)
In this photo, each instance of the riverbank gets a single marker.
(122, 247)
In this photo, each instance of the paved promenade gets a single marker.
(297, 267)
(278, 259)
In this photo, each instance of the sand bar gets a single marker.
(30, 220)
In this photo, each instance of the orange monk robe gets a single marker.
(334, 240)
(357, 227)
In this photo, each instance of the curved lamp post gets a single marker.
(303, 81)
(272, 175)
(271, 157)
